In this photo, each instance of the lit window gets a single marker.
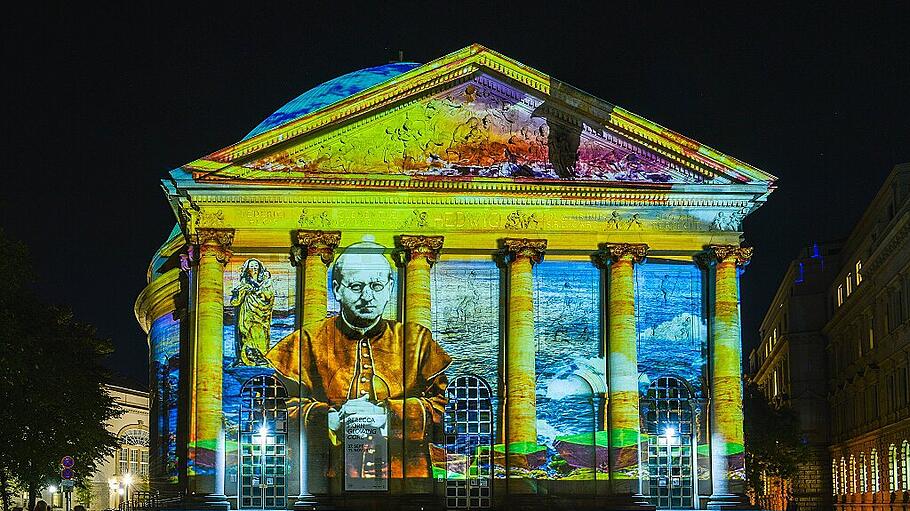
(834, 477)
(905, 463)
(852, 474)
(863, 473)
(840, 295)
(849, 283)
(859, 271)
(893, 472)
(874, 462)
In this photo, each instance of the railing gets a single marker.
(151, 501)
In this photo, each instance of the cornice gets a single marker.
(157, 298)
(688, 154)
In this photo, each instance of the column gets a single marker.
(521, 400)
(622, 372)
(420, 252)
(417, 253)
(207, 430)
(311, 254)
(315, 250)
(727, 452)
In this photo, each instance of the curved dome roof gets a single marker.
(330, 92)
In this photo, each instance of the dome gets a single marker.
(330, 92)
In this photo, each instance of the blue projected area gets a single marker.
(330, 92)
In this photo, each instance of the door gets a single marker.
(669, 423)
(469, 446)
(263, 444)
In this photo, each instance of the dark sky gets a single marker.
(100, 104)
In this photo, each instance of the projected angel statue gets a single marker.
(253, 299)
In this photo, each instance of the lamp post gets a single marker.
(127, 482)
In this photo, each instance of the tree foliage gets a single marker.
(775, 444)
(51, 393)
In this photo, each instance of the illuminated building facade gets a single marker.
(462, 284)
(868, 334)
(787, 366)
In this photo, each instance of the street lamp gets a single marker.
(127, 482)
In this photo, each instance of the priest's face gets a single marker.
(364, 287)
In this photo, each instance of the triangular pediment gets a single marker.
(473, 115)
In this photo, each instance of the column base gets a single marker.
(631, 502)
(308, 502)
(729, 501)
(212, 502)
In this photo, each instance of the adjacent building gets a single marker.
(847, 306)
(461, 284)
(127, 470)
(869, 352)
(789, 368)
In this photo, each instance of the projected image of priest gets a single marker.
(359, 364)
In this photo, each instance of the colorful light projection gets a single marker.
(259, 310)
(164, 340)
(481, 128)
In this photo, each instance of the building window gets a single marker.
(133, 457)
(875, 476)
(863, 473)
(859, 271)
(853, 474)
(905, 463)
(893, 472)
(834, 478)
(843, 476)
(849, 283)
(840, 295)
(871, 332)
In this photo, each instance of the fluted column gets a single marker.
(420, 252)
(417, 253)
(311, 254)
(727, 451)
(207, 430)
(315, 250)
(622, 368)
(521, 401)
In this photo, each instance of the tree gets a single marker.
(775, 444)
(52, 399)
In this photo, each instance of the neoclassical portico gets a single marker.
(539, 301)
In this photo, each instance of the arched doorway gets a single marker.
(263, 443)
(669, 423)
(469, 443)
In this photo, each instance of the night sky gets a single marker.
(101, 104)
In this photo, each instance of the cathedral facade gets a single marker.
(461, 284)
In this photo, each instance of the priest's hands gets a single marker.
(360, 406)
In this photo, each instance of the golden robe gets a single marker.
(397, 366)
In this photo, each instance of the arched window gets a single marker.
(843, 475)
(875, 476)
(834, 479)
(905, 463)
(133, 456)
(853, 474)
(263, 435)
(468, 425)
(863, 473)
(893, 472)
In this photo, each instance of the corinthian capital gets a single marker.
(740, 255)
(213, 241)
(613, 252)
(518, 248)
(414, 246)
(317, 243)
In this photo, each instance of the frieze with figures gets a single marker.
(502, 219)
(481, 128)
